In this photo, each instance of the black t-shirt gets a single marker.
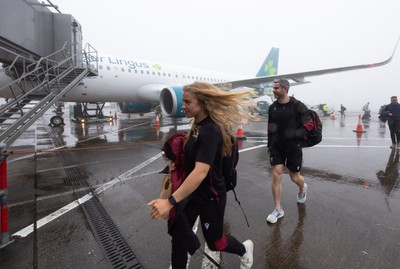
(205, 146)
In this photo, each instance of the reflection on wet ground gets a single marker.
(285, 253)
(389, 178)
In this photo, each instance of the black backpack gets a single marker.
(314, 132)
(228, 166)
(229, 172)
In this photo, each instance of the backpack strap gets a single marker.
(296, 104)
(210, 258)
(247, 221)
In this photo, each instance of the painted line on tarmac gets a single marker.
(353, 138)
(320, 146)
(43, 221)
(251, 148)
(349, 146)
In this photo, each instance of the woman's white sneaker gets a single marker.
(246, 261)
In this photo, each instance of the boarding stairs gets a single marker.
(38, 86)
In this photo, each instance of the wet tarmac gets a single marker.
(351, 218)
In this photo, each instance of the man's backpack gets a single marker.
(313, 127)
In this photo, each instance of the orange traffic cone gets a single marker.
(333, 117)
(239, 133)
(359, 128)
(157, 120)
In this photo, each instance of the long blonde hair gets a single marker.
(225, 108)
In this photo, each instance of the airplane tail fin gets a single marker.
(270, 64)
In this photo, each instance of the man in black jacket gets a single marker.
(285, 117)
(392, 114)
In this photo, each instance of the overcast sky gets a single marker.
(235, 36)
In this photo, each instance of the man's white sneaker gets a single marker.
(246, 261)
(275, 215)
(302, 196)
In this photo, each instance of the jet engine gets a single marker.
(171, 101)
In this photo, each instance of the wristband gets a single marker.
(172, 200)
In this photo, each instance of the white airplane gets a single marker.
(140, 85)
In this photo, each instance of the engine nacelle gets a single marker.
(171, 101)
(135, 107)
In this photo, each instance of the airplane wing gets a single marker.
(299, 78)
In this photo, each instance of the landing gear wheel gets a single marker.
(57, 121)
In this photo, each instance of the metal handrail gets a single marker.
(90, 56)
(46, 70)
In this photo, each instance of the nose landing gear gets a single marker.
(57, 120)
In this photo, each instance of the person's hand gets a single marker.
(160, 208)
(171, 166)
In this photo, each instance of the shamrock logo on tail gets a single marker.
(269, 68)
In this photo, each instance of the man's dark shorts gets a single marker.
(292, 159)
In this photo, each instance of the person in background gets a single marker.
(342, 111)
(392, 113)
(325, 110)
(214, 111)
(367, 112)
(285, 116)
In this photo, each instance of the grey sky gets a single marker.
(235, 36)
